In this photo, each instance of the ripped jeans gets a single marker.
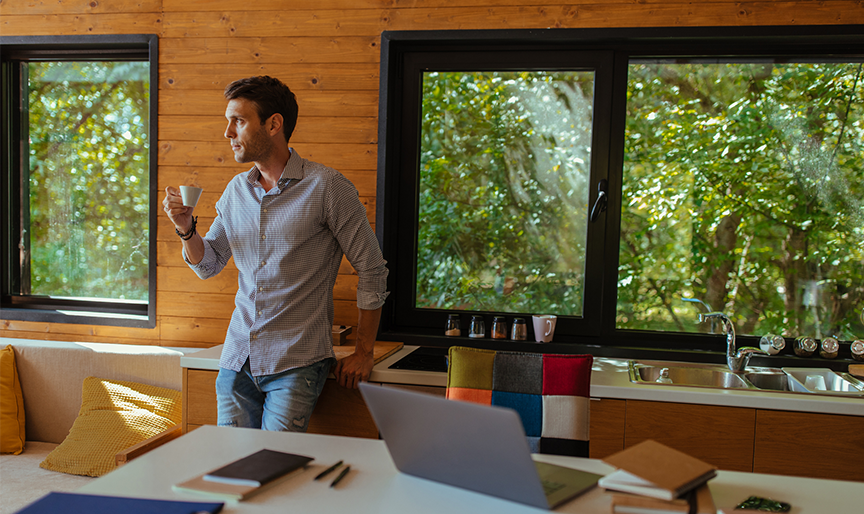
(283, 401)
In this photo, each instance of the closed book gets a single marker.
(656, 470)
(73, 503)
(258, 468)
(698, 501)
(244, 477)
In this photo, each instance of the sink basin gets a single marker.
(769, 381)
(824, 381)
(793, 380)
(693, 375)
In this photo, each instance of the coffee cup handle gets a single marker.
(549, 324)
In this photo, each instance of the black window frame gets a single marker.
(14, 50)
(397, 177)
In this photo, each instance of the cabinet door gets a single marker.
(199, 398)
(606, 427)
(722, 436)
(342, 411)
(809, 445)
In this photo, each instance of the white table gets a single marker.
(375, 486)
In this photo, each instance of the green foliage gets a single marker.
(89, 179)
(743, 183)
(504, 168)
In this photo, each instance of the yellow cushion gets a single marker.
(114, 416)
(11, 404)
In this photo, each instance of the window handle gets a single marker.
(600, 203)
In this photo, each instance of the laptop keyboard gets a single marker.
(550, 487)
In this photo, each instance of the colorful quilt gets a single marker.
(551, 393)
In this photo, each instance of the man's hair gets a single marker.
(269, 96)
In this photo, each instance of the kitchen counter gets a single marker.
(610, 379)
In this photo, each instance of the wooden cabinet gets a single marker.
(722, 436)
(606, 430)
(199, 398)
(809, 445)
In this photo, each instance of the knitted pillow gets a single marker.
(550, 392)
(11, 404)
(114, 415)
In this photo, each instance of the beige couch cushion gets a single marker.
(22, 481)
(52, 374)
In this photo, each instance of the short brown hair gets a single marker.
(270, 96)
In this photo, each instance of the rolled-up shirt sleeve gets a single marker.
(217, 250)
(346, 216)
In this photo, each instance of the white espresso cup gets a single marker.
(544, 327)
(190, 195)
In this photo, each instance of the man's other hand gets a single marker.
(354, 369)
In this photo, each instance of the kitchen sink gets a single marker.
(695, 375)
(716, 376)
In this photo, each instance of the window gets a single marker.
(503, 191)
(618, 177)
(78, 174)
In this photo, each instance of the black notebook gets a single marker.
(258, 468)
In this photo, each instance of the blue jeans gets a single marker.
(283, 401)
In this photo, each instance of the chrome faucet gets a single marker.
(738, 359)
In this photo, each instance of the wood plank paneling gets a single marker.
(181, 330)
(10, 7)
(85, 24)
(314, 103)
(274, 50)
(299, 77)
(310, 129)
(358, 22)
(206, 153)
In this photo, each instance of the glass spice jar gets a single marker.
(829, 347)
(804, 346)
(499, 327)
(772, 344)
(453, 327)
(477, 328)
(857, 349)
(519, 331)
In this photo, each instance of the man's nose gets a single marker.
(229, 132)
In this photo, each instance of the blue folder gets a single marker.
(71, 503)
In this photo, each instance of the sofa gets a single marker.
(51, 374)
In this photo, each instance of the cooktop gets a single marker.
(423, 359)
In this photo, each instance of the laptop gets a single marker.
(476, 447)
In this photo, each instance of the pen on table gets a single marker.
(341, 476)
(328, 470)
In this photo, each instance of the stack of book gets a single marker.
(654, 479)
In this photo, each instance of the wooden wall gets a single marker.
(327, 51)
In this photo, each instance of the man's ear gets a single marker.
(274, 124)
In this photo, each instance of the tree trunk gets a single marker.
(725, 239)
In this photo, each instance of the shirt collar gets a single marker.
(293, 171)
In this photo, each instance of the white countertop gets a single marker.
(610, 379)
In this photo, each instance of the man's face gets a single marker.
(250, 140)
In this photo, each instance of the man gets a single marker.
(287, 222)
